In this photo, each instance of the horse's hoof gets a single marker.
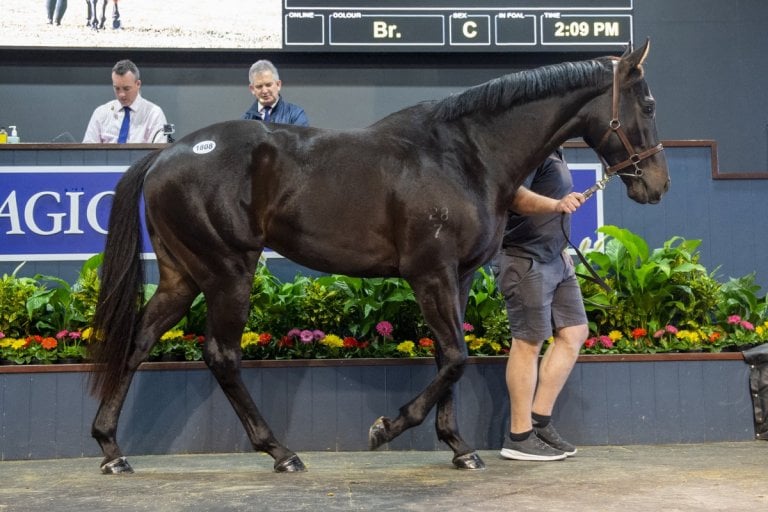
(116, 467)
(378, 433)
(116, 23)
(291, 464)
(468, 461)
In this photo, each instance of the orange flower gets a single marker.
(426, 343)
(49, 343)
(264, 338)
(638, 332)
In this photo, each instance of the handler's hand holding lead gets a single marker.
(571, 202)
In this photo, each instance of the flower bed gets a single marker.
(660, 301)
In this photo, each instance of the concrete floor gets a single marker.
(690, 478)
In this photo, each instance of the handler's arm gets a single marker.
(527, 202)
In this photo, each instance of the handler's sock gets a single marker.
(519, 437)
(540, 421)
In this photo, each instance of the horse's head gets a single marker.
(627, 140)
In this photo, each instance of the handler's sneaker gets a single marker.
(532, 448)
(550, 436)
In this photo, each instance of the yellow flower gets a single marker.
(18, 344)
(170, 335)
(333, 341)
(87, 333)
(5, 342)
(249, 338)
(496, 347)
(407, 347)
(760, 329)
(615, 335)
(474, 342)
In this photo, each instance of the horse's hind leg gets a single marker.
(103, 14)
(227, 314)
(173, 297)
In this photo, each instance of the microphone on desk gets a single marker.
(167, 130)
(64, 138)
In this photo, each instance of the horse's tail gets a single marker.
(118, 311)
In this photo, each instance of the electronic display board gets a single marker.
(322, 25)
(457, 25)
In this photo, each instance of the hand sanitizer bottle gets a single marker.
(13, 138)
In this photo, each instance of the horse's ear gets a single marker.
(632, 60)
(636, 58)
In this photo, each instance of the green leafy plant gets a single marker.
(15, 319)
(649, 289)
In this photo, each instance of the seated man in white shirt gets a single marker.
(129, 117)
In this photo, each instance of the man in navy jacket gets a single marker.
(269, 106)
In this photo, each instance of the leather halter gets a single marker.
(615, 127)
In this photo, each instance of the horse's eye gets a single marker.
(649, 109)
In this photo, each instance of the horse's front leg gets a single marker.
(115, 15)
(227, 313)
(446, 419)
(89, 22)
(439, 298)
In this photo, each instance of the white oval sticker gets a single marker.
(204, 147)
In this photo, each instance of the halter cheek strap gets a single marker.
(615, 127)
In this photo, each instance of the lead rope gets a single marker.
(594, 277)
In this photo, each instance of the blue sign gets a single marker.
(589, 216)
(61, 213)
(55, 212)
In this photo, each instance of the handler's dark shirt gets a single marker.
(541, 236)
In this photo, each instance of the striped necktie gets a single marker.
(123, 137)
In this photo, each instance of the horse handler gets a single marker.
(536, 275)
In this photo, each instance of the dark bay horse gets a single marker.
(421, 194)
(97, 22)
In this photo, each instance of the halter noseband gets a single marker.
(615, 127)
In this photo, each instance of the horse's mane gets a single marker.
(521, 87)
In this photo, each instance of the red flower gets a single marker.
(590, 342)
(638, 333)
(285, 341)
(350, 342)
(264, 338)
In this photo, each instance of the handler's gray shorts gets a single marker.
(540, 297)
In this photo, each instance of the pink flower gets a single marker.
(2, 335)
(468, 327)
(590, 342)
(734, 319)
(306, 336)
(61, 334)
(318, 334)
(384, 328)
(75, 335)
(659, 333)
(746, 325)
(294, 333)
(671, 329)
(606, 341)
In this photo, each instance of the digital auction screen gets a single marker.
(319, 25)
